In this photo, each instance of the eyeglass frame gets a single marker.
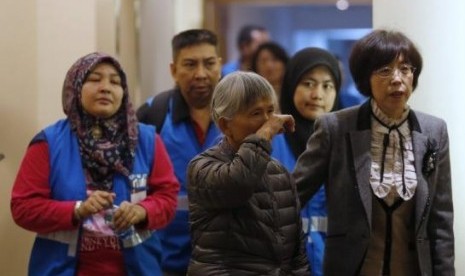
(411, 70)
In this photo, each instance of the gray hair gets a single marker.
(237, 92)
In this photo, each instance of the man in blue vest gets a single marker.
(182, 118)
(249, 38)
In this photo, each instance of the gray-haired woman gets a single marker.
(244, 210)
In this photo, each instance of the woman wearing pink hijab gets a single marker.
(95, 185)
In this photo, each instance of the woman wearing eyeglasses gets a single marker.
(386, 171)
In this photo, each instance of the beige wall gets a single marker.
(18, 109)
(159, 22)
(156, 31)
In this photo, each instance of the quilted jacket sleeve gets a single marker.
(219, 180)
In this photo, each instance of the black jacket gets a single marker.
(244, 213)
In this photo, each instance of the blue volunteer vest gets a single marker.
(182, 145)
(314, 213)
(55, 253)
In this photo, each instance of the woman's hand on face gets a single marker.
(277, 123)
(96, 202)
(128, 214)
(288, 124)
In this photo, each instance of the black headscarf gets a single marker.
(302, 62)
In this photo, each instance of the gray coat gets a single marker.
(338, 154)
(244, 213)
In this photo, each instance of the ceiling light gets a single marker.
(342, 5)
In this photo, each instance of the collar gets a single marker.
(180, 109)
(384, 119)
(364, 118)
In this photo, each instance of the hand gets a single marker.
(277, 123)
(96, 202)
(128, 214)
(289, 123)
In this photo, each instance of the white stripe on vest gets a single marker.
(183, 203)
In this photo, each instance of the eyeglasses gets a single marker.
(406, 70)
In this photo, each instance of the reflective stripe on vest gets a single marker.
(319, 224)
(137, 238)
(183, 203)
(67, 237)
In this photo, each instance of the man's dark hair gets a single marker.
(192, 37)
(245, 34)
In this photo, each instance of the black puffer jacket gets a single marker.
(244, 213)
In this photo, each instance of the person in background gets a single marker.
(182, 117)
(244, 208)
(310, 89)
(95, 186)
(248, 40)
(386, 170)
(270, 61)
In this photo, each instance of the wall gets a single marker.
(159, 22)
(156, 31)
(18, 107)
